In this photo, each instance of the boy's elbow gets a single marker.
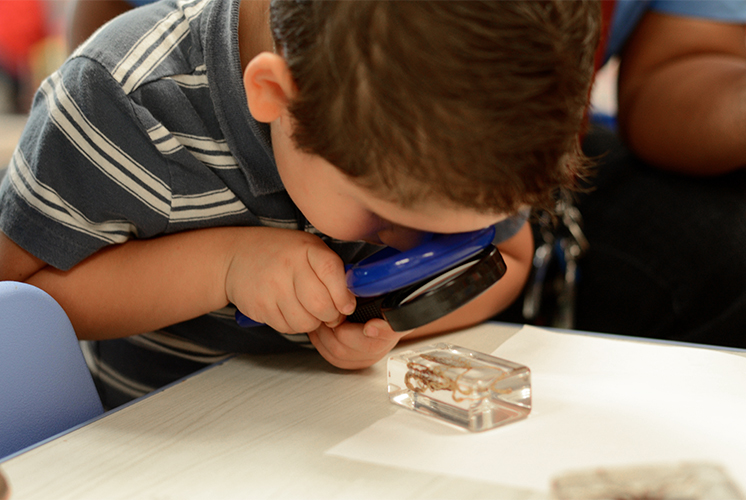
(16, 264)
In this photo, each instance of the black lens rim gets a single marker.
(445, 297)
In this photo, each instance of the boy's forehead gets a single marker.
(429, 212)
(432, 215)
(342, 206)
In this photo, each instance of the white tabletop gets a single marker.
(253, 427)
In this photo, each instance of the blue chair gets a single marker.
(45, 385)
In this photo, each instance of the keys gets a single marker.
(573, 221)
(558, 251)
(537, 279)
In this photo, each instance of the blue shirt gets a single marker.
(628, 13)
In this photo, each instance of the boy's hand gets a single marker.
(289, 280)
(353, 345)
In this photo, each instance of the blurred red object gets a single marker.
(23, 24)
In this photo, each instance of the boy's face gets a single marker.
(343, 210)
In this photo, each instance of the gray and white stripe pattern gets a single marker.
(145, 132)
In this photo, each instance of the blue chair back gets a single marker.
(45, 385)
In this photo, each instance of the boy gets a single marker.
(187, 158)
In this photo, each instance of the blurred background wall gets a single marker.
(32, 46)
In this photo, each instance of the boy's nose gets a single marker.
(402, 238)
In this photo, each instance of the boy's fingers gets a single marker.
(348, 340)
(275, 319)
(334, 346)
(380, 329)
(332, 350)
(315, 298)
(334, 324)
(329, 269)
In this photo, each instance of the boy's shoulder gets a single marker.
(152, 42)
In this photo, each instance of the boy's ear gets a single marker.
(269, 86)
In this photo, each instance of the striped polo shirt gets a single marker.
(145, 131)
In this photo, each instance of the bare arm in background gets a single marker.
(682, 94)
(86, 16)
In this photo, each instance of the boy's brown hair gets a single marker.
(477, 103)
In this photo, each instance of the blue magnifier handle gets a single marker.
(388, 269)
(245, 321)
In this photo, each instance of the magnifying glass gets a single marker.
(415, 287)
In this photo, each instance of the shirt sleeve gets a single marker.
(506, 229)
(628, 13)
(732, 11)
(78, 181)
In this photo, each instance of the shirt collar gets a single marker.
(248, 140)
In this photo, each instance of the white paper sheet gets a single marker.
(596, 402)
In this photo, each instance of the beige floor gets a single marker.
(11, 127)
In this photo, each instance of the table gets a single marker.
(251, 427)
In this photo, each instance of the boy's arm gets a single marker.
(682, 94)
(139, 286)
(16, 264)
(143, 285)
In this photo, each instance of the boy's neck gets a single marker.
(254, 35)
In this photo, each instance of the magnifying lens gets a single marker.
(415, 287)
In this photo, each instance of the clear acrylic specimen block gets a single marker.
(467, 388)
(683, 481)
